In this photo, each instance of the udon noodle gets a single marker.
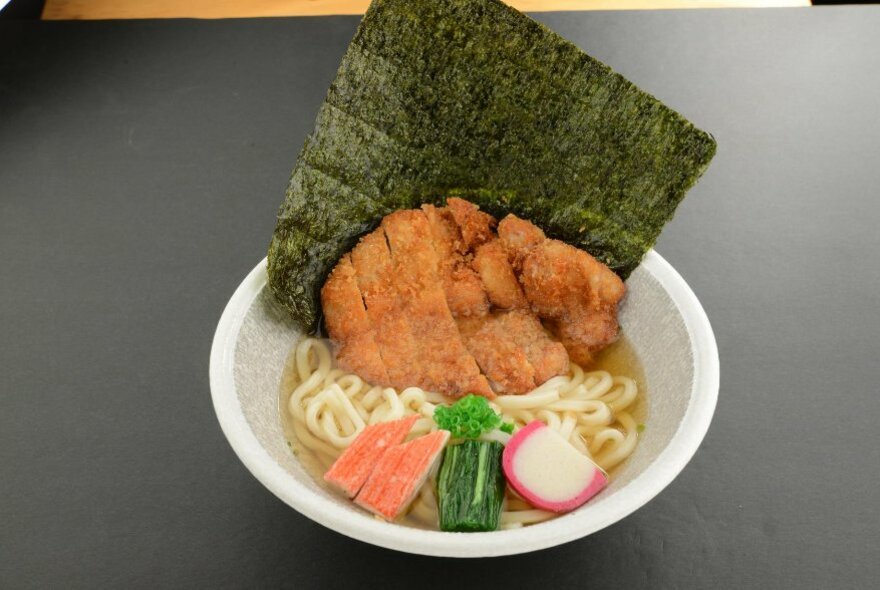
(330, 407)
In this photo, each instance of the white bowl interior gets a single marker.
(663, 322)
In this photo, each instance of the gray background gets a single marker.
(141, 166)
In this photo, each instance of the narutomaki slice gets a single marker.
(548, 472)
(400, 474)
(357, 462)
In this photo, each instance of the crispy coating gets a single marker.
(577, 293)
(556, 276)
(433, 299)
(503, 361)
(585, 334)
(547, 357)
(461, 284)
(519, 237)
(345, 314)
(443, 363)
(476, 226)
(372, 264)
(513, 350)
(501, 286)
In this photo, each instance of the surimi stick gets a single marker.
(354, 466)
(400, 474)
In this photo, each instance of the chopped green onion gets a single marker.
(469, 417)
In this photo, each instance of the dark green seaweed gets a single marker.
(473, 98)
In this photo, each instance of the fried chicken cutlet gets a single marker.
(344, 313)
(433, 298)
(461, 283)
(443, 363)
(576, 293)
(513, 349)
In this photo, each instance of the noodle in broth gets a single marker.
(325, 409)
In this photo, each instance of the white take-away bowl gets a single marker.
(662, 320)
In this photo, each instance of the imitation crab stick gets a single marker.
(354, 466)
(400, 474)
(548, 472)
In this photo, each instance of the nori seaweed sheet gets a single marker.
(472, 98)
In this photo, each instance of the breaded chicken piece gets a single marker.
(576, 292)
(476, 226)
(432, 298)
(502, 360)
(344, 313)
(372, 264)
(547, 357)
(502, 288)
(443, 363)
(556, 276)
(519, 237)
(461, 284)
(586, 333)
(513, 350)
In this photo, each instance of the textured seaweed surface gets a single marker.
(473, 98)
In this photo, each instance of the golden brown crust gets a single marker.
(504, 363)
(464, 291)
(519, 237)
(433, 299)
(345, 314)
(501, 286)
(443, 363)
(513, 350)
(476, 226)
(578, 294)
(547, 357)
(373, 266)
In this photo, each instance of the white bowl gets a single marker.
(663, 321)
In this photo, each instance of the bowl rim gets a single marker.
(638, 492)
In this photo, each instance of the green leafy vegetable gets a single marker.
(470, 488)
(469, 417)
(473, 98)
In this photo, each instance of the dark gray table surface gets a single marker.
(141, 167)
